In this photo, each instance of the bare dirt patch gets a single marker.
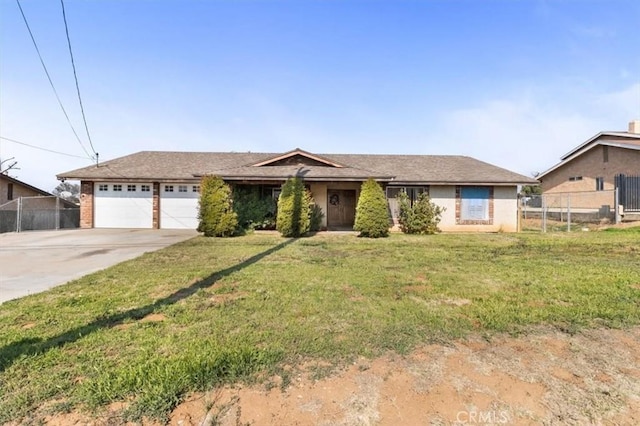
(546, 377)
(154, 318)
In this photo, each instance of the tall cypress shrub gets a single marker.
(216, 215)
(294, 209)
(372, 218)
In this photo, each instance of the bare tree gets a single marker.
(68, 191)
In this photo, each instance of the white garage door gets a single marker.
(179, 206)
(123, 205)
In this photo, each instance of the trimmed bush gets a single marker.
(216, 215)
(254, 210)
(372, 218)
(316, 217)
(421, 218)
(294, 209)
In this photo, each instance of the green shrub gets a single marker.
(421, 218)
(294, 209)
(316, 218)
(254, 210)
(372, 218)
(216, 215)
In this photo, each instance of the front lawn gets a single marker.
(212, 311)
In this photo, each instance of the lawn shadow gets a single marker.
(33, 346)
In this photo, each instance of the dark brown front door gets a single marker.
(341, 208)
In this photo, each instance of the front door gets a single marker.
(341, 208)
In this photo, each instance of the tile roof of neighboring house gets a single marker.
(618, 139)
(176, 166)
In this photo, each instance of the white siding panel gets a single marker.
(123, 209)
(179, 210)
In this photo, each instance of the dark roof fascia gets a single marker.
(306, 179)
(586, 148)
(38, 190)
(31, 187)
(142, 180)
(595, 138)
(462, 183)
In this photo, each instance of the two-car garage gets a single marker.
(130, 205)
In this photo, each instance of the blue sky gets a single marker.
(514, 83)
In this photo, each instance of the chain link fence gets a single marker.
(568, 211)
(38, 213)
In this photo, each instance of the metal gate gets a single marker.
(37, 213)
(628, 192)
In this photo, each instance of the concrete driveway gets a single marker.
(32, 262)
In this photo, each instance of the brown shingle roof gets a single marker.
(177, 166)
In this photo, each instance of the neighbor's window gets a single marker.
(474, 203)
(145, 188)
(605, 154)
(131, 188)
(599, 184)
(117, 187)
(182, 188)
(575, 178)
(168, 188)
(103, 187)
(10, 192)
(195, 188)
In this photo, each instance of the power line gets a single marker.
(42, 149)
(46, 71)
(75, 77)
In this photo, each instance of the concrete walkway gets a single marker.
(32, 262)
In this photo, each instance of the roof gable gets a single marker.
(621, 137)
(298, 157)
(622, 140)
(26, 185)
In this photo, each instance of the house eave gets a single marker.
(586, 148)
(461, 183)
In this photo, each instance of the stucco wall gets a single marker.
(18, 191)
(505, 210)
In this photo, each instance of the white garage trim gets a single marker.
(123, 205)
(179, 205)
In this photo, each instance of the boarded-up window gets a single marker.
(474, 203)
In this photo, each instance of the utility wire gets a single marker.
(75, 77)
(46, 71)
(42, 149)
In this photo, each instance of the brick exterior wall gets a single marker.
(86, 204)
(590, 166)
(156, 206)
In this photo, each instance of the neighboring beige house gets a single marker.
(24, 207)
(12, 189)
(589, 171)
(161, 189)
